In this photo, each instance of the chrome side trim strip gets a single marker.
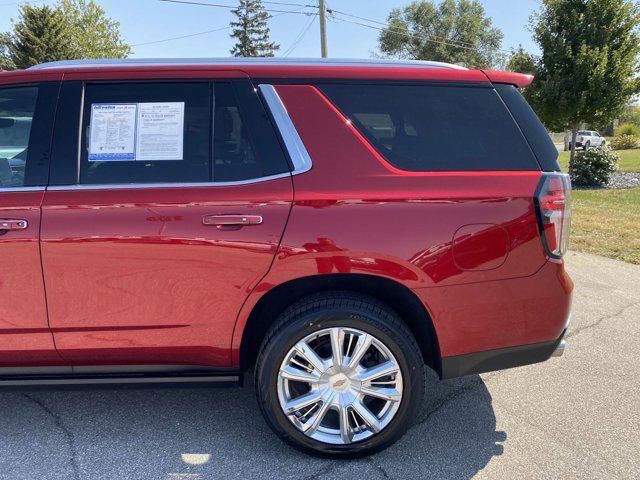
(118, 186)
(22, 189)
(297, 151)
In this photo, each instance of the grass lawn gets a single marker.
(629, 160)
(607, 222)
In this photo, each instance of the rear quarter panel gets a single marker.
(355, 213)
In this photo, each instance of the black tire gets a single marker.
(346, 309)
(586, 146)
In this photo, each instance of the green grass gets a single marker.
(607, 222)
(629, 160)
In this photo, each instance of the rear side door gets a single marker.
(167, 205)
(26, 118)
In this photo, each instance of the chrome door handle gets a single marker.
(231, 220)
(13, 224)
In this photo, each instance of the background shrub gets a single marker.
(624, 142)
(593, 167)
(627, 129)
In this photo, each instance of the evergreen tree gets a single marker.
(5, 61)
(251, 31)
(40, 35)
(73, 29)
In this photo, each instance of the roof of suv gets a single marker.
(265, 68)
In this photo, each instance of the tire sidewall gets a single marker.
(410, 362)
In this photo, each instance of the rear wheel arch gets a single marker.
(395, 295)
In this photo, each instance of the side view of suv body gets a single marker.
(333, 227)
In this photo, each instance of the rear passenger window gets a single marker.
(435, 127)
(233, 155)
(146, 133)
(166, 133)
(17, 108)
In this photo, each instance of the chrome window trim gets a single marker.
(120, 186)
(22, 189)
(128, 186)
(293, 143)
(80, 126)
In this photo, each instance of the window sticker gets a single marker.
(160, 131)
(112, 133)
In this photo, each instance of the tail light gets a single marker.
(553, 205)
(581, 139)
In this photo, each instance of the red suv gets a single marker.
(335, 228)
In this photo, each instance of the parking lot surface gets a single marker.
(573, 417)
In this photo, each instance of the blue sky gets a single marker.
(145, 21)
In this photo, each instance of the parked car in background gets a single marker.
(587, 139)
(335, 228)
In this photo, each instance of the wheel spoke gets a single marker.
(362, 345)
(309, 354)
(315, 420)
(369, 418)
(292, 373)
(346, 432)
(382, 370)
(389, 394)
(337, 343)
(302, 401)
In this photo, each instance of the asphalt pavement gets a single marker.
(573, 417)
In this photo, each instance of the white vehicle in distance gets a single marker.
(587, 139)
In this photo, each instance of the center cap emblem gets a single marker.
(339, 382)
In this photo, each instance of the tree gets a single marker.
(71, 29)
(40, 35)
(251, 31)
(5, 62)
(630, 114)
(93, 34)
(455, 31)
(587, 71)
(521, 61)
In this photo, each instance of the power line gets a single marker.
(289, 4)
(386, 25)
(232, 7)
(300, 36)
(450, 43)
(382, 25)
(228, 27)
(407, 34)
(181, 36)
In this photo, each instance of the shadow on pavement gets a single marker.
(202, 433)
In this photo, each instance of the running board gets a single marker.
(121, 377)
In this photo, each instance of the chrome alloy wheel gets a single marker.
(340, 385)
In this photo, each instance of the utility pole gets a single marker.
(323, 28)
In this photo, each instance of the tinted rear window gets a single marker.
(435, 127)
(545, 151)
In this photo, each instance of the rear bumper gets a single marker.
(502, 358)
(495, 315)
